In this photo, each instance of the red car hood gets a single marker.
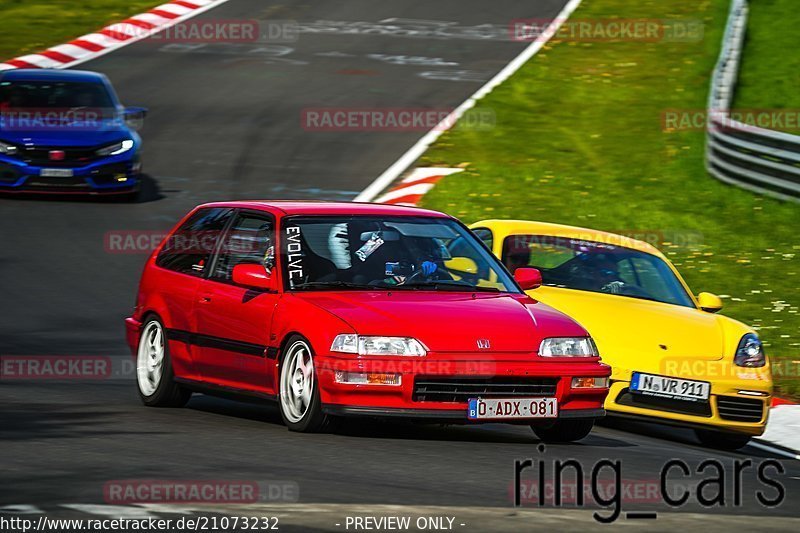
(449, 322)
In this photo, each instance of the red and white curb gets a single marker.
(413, 187)
(114, 36)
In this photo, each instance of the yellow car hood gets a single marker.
(634, 334)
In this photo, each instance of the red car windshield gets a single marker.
(371, 252)
(595, 267)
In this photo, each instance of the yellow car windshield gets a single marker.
(595, 267)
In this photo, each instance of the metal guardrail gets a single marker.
(757, 159)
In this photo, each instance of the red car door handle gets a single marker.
(205, 299)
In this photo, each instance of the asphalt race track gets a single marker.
(225, 123)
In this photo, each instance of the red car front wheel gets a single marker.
(301, 408)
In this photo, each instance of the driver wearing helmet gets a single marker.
(605, 275)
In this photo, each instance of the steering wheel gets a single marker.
(620, 287)
(417, 274)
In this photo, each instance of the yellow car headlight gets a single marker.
(750, 352)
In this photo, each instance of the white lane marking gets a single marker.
(406, 160)
(412, 60)
(112, 511)
(427, 172)
(167, 508)
(771, 449)
(453, 75)
(783, 427)
(21, 509)
(418, 21)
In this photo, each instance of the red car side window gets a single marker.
(188, 250)
(248, 241)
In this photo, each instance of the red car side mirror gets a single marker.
(528, 278)
(254, 276)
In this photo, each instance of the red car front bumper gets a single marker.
(439, 386)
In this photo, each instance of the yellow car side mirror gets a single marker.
(710, 303)
(461, 265)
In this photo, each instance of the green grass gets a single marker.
(770, 71)
(29, 26)
(579, 141)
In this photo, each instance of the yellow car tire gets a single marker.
(721, 440)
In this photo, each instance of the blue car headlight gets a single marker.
(116, 148)
(750, 352)
(7, 149)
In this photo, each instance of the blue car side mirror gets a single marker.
(134, 117)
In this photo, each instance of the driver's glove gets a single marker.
(615, 287)
(429, 267)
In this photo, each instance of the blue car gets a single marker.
(65, 131)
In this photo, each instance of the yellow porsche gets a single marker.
(674, 359)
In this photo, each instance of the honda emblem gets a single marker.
(484, 344)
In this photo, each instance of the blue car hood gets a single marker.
(106, 132)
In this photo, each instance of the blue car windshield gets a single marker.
(16, 95)
(378, 252)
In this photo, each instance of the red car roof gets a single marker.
(310, 207)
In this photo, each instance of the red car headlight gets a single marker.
(377, 345)
(568, 347)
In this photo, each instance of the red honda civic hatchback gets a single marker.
(346, 309)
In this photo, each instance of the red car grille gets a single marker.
(461, 389)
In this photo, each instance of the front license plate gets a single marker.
(501, 408)
(673, 388)
(56, 173)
